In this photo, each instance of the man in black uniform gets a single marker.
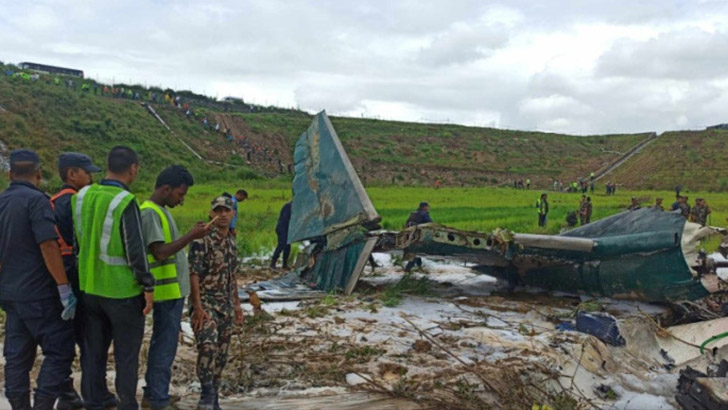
(284, 219)
(418, 217)
(75, 170)
(31, 280)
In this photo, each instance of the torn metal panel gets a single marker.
(288, 287)
(339, 269)
(330, 208)
(633, 255)
(327, 192)
(438, 240)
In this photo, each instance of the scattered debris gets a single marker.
(602, 325)
(422, 346)
(700, 391)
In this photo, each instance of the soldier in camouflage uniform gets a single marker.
(700, 212)
(214, 302)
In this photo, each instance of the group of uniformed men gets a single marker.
(88, 265)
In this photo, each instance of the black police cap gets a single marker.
(24, 155)
(76, 159)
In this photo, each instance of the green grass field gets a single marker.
(476, 209)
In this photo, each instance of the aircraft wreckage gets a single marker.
(643, 255)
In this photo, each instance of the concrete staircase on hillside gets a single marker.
(626, 156)
(155, 115)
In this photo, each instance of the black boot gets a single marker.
(216, 405)
(43, 402)
(21, 402)
(207, 398)
(110, 401)
(217, 401)
(69, 399)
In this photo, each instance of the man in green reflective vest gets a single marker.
(542, 207)
(113, 273)
(168, 260)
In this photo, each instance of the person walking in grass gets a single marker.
(542, 206)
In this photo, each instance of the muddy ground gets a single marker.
(444, 339)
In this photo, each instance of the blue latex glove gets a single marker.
(68, 300)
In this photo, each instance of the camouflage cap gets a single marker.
(221, 201)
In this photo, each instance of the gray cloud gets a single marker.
(579, 67)
(685, 54)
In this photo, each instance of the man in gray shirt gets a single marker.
(168, 262)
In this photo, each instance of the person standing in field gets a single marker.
(682, 206)
(214, 303)
(284, 219)
(686, 207)
(528, 183)
(634, 205)
(700, 212)
(658, 204)
(168, 262)
(582, 209)
(588, 210)
(240, 196)
(418, 217)
(542, 206)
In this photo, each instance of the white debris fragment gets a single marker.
(354, 379)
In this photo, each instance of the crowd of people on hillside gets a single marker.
(254, 153)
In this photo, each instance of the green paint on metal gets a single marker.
(327, 193)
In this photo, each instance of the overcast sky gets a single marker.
(580, 67)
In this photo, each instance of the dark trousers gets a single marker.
(27, 326)
(107, 320)
(69, 392)
(541, 220)
(282, 247)
(162, 350)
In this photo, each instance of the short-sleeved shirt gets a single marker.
(152, 230)
(214, 259)
(26, 221)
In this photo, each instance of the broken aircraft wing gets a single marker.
(329, 208)
(645, 254)
(327, 193)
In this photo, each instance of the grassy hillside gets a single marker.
(414, 153)
(694, 159)
(51, 119)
